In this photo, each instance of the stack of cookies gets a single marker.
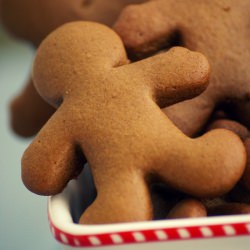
(157, 104)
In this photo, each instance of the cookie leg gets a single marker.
(213, 163)
(123, 198)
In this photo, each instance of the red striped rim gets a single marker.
(151, 235)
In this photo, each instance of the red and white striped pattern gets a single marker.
(152, 235)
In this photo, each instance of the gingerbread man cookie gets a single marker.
(33, 20)
(188, 208)
(109, 114)
(231, 125)
(218, 29)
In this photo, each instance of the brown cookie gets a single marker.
(223, 206)
(212, 202)
(110, 111)
(188, 208)
(218, 29)
(231, 125)
(33, 20)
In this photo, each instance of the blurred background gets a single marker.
(23, 215)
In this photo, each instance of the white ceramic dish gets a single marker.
(220, 232)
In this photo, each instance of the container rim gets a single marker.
(67, 232)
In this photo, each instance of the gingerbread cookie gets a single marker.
(33, 20)
(231, 125)
(38, 18)
(109, 111)
(188, 208)
(218, 29)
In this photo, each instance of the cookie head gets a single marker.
(56, 85)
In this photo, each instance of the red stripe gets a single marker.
(105, 239)
(127, 237)
(149, 235)
(241, 229)
(195, 232)
(172, 233)
(83, 240)
(217, 230)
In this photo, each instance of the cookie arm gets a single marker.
(172, 76)
(51, 160)
(125, 193)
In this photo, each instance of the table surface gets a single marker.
(23, 215)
